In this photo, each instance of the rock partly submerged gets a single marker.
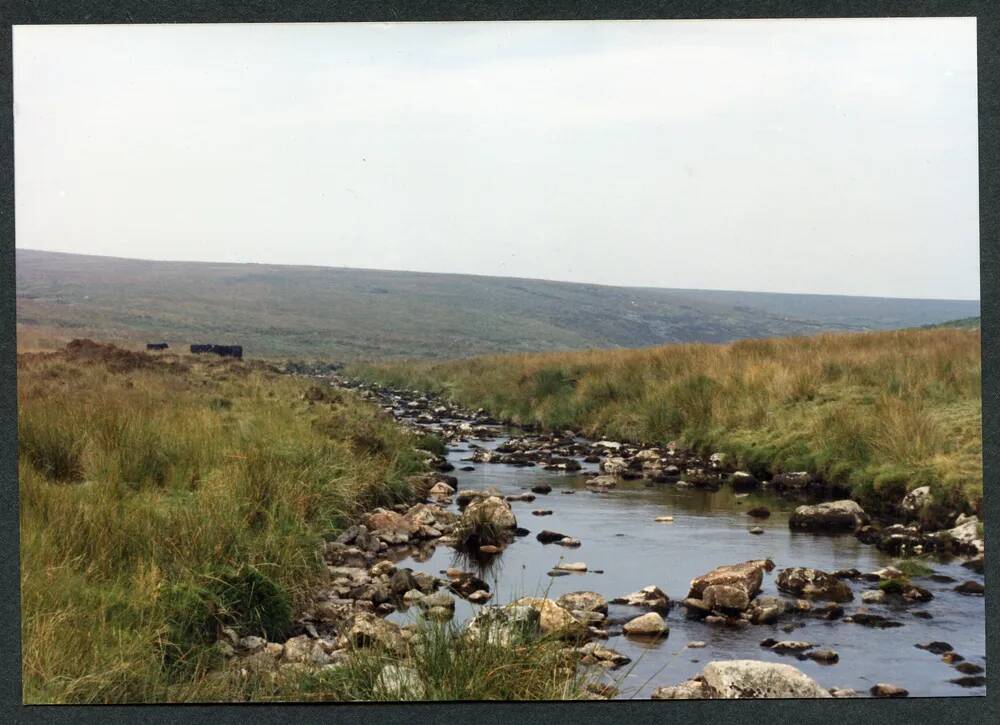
(741, 679)
(843, 515)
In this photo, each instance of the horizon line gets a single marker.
(492, 276)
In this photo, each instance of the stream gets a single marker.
(625, 549)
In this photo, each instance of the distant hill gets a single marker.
(969, 323)
(350, 314)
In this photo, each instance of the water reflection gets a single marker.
(620, 537)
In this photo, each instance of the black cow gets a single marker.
(235, 351)
(156, 346)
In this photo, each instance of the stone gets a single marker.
(465, 583)
(873, 620)
(437, 599)
(756, 530)
(391, 521)
(813, 584)
(650, 597)
(664, 519)
(425, 582)
(913, 502)
(743, 481)
(478, 597)
(969, 681)
(541, 488)
(383, 568)
(728, 589)
(541, 512)
(305, 650)
(739, 679)
(602, 482)
(412, 596)
(583, 601)
(969, 668)
(873, 596)
(697, 644)
(965, 536)
(843, 515)
(649, 625)
(366, 630)
(689, 690)
(729, 598)
(397, 682)
(759, 512)
(505, 625)
(569, 542)
(884, 689)
(548, 537)
(491, 510)
(614, 466)
(578, 566)
(971, 588)
(824, 656)
(553, 618)
(785, 646)
(252, 644)
(441, 489)
(792, 481)
(402, 581)
(938, 648)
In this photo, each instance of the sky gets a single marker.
(823, 156)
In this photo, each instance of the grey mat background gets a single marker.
(964, 710)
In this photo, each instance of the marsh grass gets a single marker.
(878, 413)
(444, 662)
(151, 515)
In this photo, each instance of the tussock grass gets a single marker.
(443, 663)
(151, 515)
(879, 413)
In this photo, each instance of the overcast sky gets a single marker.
(787, 156)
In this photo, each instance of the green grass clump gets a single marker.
(912, 568)
(877, 413)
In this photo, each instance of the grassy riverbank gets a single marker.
(879, 413)
(163, 498)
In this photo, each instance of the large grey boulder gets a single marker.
(843, 515)
(728, 589)
(744, 679)
(739, 679)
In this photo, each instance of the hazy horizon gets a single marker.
(482, 274)
(835, 157)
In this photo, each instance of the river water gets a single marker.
(621, 540)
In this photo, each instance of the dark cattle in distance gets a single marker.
(156, 346)
(235, 351)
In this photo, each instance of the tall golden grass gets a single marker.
(161, 502)
(877, 412)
